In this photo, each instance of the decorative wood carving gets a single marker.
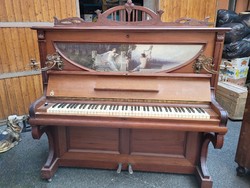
(68, 21)
(130, 14)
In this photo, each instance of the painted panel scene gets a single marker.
(129, 57)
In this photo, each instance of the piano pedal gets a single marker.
(119, 169)
(130, 169)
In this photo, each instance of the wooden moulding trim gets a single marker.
(25, 24)
(18, 74)
(172, 75)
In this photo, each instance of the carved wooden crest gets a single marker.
(130, 14)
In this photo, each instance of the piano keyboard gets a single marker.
(129, 110)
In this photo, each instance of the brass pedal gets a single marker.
(130, 169)
(119, 169)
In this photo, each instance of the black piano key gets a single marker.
(175, 109)
(90, 106)
(166, 109)
(178, 109)
(76, 105)
(182, 109)
(73, 105)
(203, 111)
(60, 105)
(189, 111)
(70, 105)
(64, 105)
(54, 105)
(192, 110)
(198, 110)
(170, 110)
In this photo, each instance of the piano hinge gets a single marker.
(205, 63)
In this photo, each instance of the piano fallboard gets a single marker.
(171, 87)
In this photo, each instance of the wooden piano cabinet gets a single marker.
(243, 150)
(144, 149)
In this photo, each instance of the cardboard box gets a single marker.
(88, 17)
(236, 63)
(232, 98)
(237, 73)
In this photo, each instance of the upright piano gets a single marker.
(130, 93)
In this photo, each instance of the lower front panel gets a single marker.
(146, 150)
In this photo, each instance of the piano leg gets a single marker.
(51, 165)
(202, 173)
